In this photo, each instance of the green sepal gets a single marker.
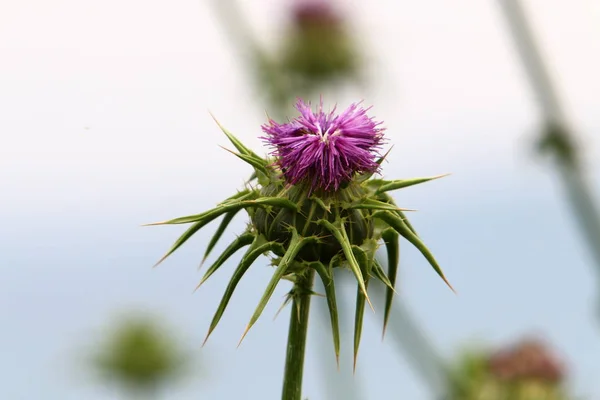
(398, 224)
(251, 255)
(402, 183)
(295, 245)
(218, 233)
(339, 232)
(246, 239)
(326, 275)
(363, 261)
(210, 215)
(391, 239)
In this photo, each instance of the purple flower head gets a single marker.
(314, 12)
(325, 150)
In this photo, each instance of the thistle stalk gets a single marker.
(296, 345)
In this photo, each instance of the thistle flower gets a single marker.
(318, 47)
(526, 371)
(313, 206)
(325, 150)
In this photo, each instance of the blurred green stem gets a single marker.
(296, 347)
(558, 138)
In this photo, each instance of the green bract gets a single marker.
(319, 232)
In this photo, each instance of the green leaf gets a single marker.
(241, 241)
(339, 232)
(259, 165)
(251, 255)
(241, 195)
(182, 239)
(406, 222)
(372, 204)
(398, 224)
(236, 142)
(378, 272)
(329, 285)
(390, 200)
(210, 215)
(392, 245)
(402, 183)
(296, 244)
(218, 233)
(363, 262)
(195, 228)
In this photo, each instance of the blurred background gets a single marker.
(105, 125)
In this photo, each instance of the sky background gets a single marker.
(105, 126)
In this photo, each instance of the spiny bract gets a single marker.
(314, 205)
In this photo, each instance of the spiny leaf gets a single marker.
(402, 183)
(406, 221)
(218, 233)
(398, 224)
(329, 285)
(195, 228)
(379, 273)
(241, 241)
(241, 195)
(235, 141)
(296, 244)
(392, 245)
(210, 215)
(339, 232)
(363, 262)
(389, 199)
(259, 165)
(182, 239)
(251, 255)
(372, 204)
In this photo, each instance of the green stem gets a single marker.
(296, 347)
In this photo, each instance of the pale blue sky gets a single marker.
(142, 76)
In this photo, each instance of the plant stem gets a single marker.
(296, 347)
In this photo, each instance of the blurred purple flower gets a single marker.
(315, 12)
(325, 150)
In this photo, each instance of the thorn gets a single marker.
(226, 149)
(206, 338)
(383, 332)
(368, 300)
(449, 285)
(244, 335)
(160, 261)
(202, 262)
(155, 223)
(337, 361)
(200, 284)
(354, 365)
